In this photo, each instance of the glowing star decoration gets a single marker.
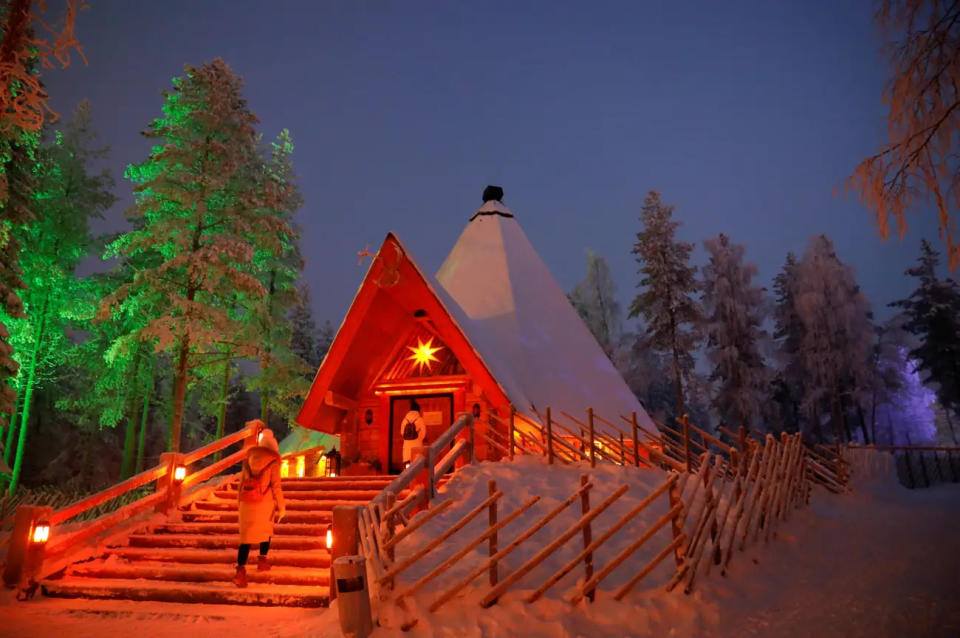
(423, 354)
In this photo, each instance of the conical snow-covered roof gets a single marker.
(523, 326)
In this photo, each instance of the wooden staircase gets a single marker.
(191, 558)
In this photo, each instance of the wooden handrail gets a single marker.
(214, 469)
(98, 525)
(110, 493)
(450, 458)
(447, 437)
(403, 479)
(216, 446)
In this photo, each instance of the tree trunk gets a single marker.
(836, 416)
(873, 418)
(222, 417)
(147, 391)
(130, 435)
(11, 430)
(817, 428)
(179, 392)
(953, 434)
(27, 398)
(863, 424)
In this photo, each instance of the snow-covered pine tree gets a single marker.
(203, 206)
(735, 310)
(932, 314)
(788, 382)
(835, 348)
(668, 284)
(594, 299)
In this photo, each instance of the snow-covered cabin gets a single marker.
(492, 329)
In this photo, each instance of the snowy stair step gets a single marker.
(314, 495)
(280, 529)
(225, 516)
(231, 505)
(175, 555)
(330, 484)
(180, 592)
(218, 541)
(278, 575)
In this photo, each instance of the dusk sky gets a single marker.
(745, 115)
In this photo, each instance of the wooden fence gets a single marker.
(916, 466)
(723, 500)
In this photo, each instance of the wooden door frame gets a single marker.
(393, 399)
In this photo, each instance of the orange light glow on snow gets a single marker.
(423, 353)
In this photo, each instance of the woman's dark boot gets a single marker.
(240, 580)
(263, 565)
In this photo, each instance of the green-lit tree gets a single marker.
(67, 196)
(203, 205)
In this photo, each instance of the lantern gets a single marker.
(329, 538)
(476, 410)
(301, 466)
(285, 468)
(179, 473)
(41, 533)
(332, 465)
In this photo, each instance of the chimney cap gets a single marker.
(492, 193)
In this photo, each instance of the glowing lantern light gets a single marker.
(179, 473)
(41, 533)
(423, 353)
(284, 468)
(329, 537)
(301, 466)
(260, 438)
(333, 475)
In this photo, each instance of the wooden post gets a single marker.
(390, 501)
(742, 436)
(675, 526)
(344, 529)
(623, 451)
(587, 535)
(513, 430)
(593, 455)
(423, 478)
(25, 555)
(686, 441)
(636, 447)
(169, 482)
(473, 439)
(491, 489)
(256, 426)
(549, 435)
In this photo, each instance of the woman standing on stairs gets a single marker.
(260, 498)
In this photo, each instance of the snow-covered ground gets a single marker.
(882, 561)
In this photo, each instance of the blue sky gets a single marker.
(745, 115)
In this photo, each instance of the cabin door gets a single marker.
(437, 411)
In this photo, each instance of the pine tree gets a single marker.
(788, 384)
(67, 197)
(932, 313)
(304, 337)
(594, 299)
(667, 285)
(835, 348)
(735, 313)
(202, 205)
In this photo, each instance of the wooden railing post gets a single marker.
(28, 543)
(255, 426)
(587, 535)
(675, 526)
(513, 432)
(549, 434)
(636, 446)
(473, 440)
(423, 478)
(345, 534)
(492, 519)
(591, 433)
(388, 533)
(170, 482)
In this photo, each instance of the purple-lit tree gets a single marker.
(907, 417)
(932, 314)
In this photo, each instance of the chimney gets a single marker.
(492, 193)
